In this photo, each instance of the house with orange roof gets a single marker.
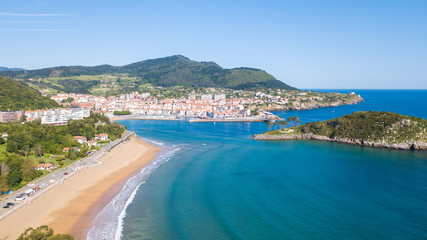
(91, 143)
(101, 137)
(44, 166)
(80, 139)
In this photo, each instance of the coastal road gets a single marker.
(56, 177)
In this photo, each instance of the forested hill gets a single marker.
(17, 96)
(11, 69)
(376, 129)
(169, 71)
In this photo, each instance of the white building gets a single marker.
(206, 97)
(220, 96)
(59, 116)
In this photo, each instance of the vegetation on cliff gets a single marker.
(166, 72)
(16, 96)
(384, 128)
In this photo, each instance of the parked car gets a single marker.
(43, 185)
(65, 173)
(21, 197)
(10, 204)
(6, 206)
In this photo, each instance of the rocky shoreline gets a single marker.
(414, 145)
(308, 106)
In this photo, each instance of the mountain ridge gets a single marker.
(176, 70)
(3, 69)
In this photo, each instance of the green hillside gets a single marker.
(17, 96)
(371, 126)
(384, 129)
(169, 71)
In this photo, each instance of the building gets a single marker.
(45, 166)
(58, 116)
(220, 96)
(206, 97)
(91, 143)
(80, 139)
(101, 137)
(10, 116)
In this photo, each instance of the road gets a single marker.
(56, 177)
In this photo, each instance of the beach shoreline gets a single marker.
(72, 206)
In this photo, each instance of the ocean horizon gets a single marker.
(212, 181)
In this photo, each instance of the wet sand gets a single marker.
(72, 206)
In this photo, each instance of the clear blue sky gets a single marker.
(307, 44)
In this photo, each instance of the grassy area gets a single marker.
(2, 152)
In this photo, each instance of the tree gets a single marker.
(4, 169)
(73, 154)
(11, 146)
(294, 121)
(61, 237)
(43, 233)
(14, 178)
(28, 170)
(39, 149)
(3, 185)
(68, 100)
(282, 124)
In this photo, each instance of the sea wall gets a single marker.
(409, 145)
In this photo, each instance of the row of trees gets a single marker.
(127, 112)
(289, 122)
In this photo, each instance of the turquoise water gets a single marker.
(221, 184)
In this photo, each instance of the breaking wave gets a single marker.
(108, 224)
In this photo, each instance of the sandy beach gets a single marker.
(72, 206)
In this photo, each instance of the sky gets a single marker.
(352, 44)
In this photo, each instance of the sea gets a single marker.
(213, 181)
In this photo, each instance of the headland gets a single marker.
(371, 129)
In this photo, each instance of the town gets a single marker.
(208, 104)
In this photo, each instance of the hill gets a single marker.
(11, 69)
(166, 72)
(16, 96)
(374, 129)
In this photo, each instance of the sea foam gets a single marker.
(108, 224)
